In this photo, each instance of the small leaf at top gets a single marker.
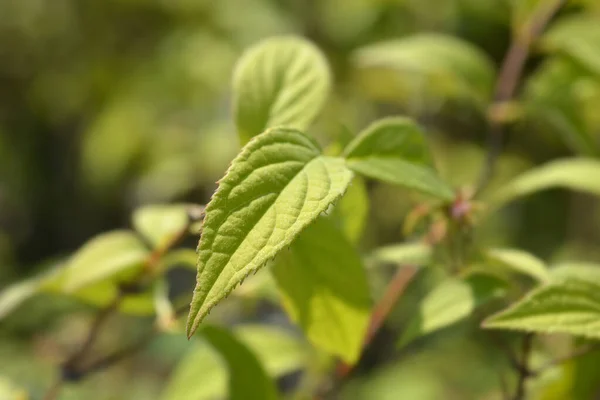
(452, 301)
(570, 306)
(281, 81)
(520, 261)
(394, 150)
(116, 254)
(160, 223)
(274, 188)
(247, 377)
(324, 289)
(579, 174)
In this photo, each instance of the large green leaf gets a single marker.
(578, 174)
(571, 306)
(201, 375)
(276, 186)
(324, 289)
(520, 261)
(114, 255)
(451, 66)
(452, 301)
(159, 223)
(282, 81)
(247, 377)
(395, 150)
(579, 38)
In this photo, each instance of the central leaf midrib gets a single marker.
(253, 226)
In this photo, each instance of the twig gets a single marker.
(393, 291)
(509, 76)
(523, 371)
(72, 369)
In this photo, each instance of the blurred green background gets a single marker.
(109, 105)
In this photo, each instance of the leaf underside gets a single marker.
(276, 186)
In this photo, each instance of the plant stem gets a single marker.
(384, 306)
(523, 371)
(509, 76)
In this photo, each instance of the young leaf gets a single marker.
(276, 186)
(109, 255)
(394, 150)
(520, 261)
(578, 174)
(247, 378)
(452, 301)
(579, 38)
(452, 66)
(159, 223)
(403, 253)
(353, 209)
(324, 289)
(282, 81)
(571, 306)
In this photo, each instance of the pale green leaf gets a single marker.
(395, 150)
(452, 301)
(353, 209)
(403, 253)
(278, 185)
(571, 306)
(179, 258)
(579, 174)
(111, 255)
(519, 261)
(579, 38)
(160, 223)
(201, 374)
(451, 66)
(324, 289)
(281, 81)
(247, 377)
(585, 271)
(13, 296)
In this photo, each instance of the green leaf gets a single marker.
(324, 289)
(201, 374)
(579, 270)
(353, 209)
(13, 296)
(403, 253)
(452, 301)
(578, 174)
(179, 258)
(579, 38)
(160, 223)
(519, 261)
(276, 186)
(571, 306)
(395, 150)
(278, 351)
(247, 378)
(281, 81)
(451, 66)
(114, 255)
